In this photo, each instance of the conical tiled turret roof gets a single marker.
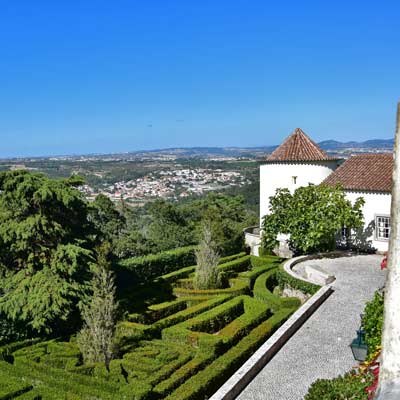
(298, 147)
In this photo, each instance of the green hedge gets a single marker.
(226, 259)
(180, 274)
(373, 321)
(191, 312)
(349, 386)
(252, 275)
(238, 287)
(198, 331)
(262, 291)
(185, 272)
(237, 265)
(254, 313)
(207, 381)
(201, 359)
(163, 310)
(263, 261)
(152, 266)
(11, 387)
(57, 380)
(232, 320)
(7, 350)
(284, 279)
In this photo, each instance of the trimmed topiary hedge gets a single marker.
(238, 286)
(214, 375)
(152, 266)
(237, 265)
(284, 279)
(206, 335)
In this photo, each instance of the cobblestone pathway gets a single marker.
(320, 348)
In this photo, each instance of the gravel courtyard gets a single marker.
(320, 348)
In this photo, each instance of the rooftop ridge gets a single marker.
(298, 146)
(364, 172)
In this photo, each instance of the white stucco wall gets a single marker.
(280, 175)
(375, 204)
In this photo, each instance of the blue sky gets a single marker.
(108, 76)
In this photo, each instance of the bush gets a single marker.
(238, 286)
(185, 272)
(284, 279)
(149, 267)
(264, 261)
(350, 386)
(59, 381)
(237, 265)
(190, 312)
(372, 322)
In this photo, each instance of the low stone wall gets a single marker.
(289, 264)
(252, 239)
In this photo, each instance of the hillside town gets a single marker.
(169, 184)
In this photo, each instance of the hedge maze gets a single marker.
(182, 348)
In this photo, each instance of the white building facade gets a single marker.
(299, 161)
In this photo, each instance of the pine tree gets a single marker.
(96, 340)
(207, 273)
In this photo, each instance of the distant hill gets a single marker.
(332, 145)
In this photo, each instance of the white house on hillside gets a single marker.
(299, 161)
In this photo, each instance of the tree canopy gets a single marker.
(312, 215)
(45, 249)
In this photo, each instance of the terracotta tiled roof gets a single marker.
(371, 172)
(298, 147)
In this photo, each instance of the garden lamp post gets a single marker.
(358, 346)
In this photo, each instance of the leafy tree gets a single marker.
(133, 244)
(227, 217)
(45, 250)
(312, 215)
(107, 220)
(168, 226)
(163, 225)
(207, 273)
(96, 339)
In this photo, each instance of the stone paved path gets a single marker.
(320, 348)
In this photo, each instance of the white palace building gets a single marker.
(299, 161)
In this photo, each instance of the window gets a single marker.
(294, 179)
(382, 227)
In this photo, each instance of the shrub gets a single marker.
(7, 350)
(226, 259)
(349, 386)
(372, 321)
(180, 274)
(238, 286)
(152, 266)
(185, 272)
(237, 265)
(266, 260)
(190, 312)
(284, 279)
